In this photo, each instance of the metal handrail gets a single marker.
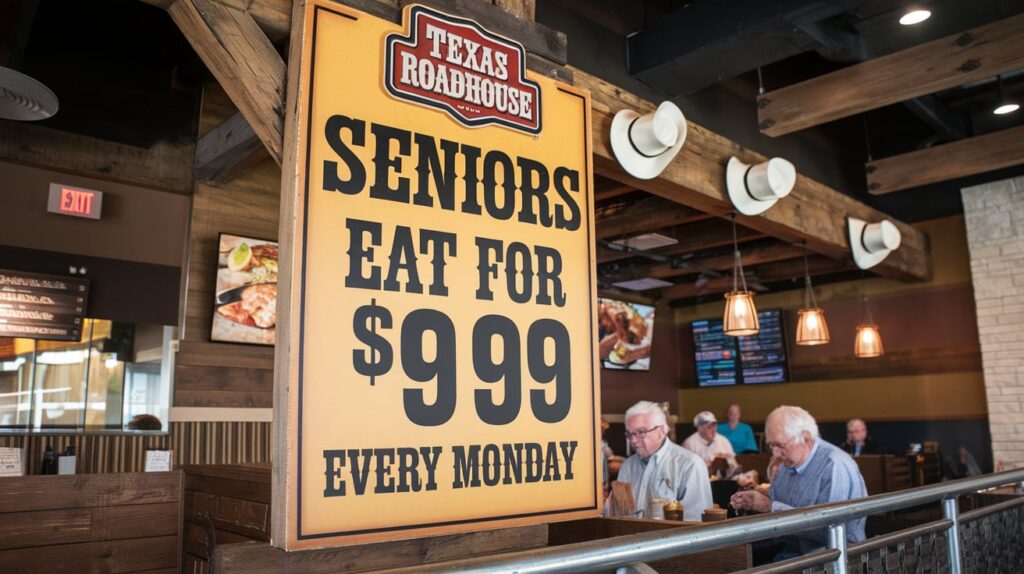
(621, 551)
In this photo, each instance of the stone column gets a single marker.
(995, 235)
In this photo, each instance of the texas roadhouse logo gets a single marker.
(455, 65)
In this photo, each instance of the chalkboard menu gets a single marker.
(37, 306)
(724, 360)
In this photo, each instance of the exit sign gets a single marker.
(75, 201)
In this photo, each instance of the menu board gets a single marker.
(723, 360)
(716, 357)
(37, 306)
(763, 356)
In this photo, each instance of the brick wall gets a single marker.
(995, 235)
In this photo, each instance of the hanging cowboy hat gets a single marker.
(872, 242)
(645, 144)
(24, 98)
(754, 189)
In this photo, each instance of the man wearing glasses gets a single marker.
(812, 472)
(661, 469)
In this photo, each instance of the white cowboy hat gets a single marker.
(754, 189)
(645, 144)
(24, 98)
(872, 242)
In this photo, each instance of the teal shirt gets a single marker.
(742, 438)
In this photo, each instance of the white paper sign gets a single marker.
(66, 464)
(10, 461)
(158, 460)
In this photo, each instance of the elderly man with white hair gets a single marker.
(711, 446)
(812, 472)
(659, 468)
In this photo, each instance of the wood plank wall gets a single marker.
(223, 504)
(192, 443)
(115, 523)
(221, 374)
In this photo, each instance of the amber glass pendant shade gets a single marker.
(740, 314)
(811, 328)
(868, 343)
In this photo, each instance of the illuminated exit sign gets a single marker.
(75, 201)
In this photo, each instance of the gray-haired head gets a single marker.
(794, 421)
(648, 408)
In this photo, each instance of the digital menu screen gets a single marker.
(724, 360)
(37, 306)
(716, 357)
(763, 356)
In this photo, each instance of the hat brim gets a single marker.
(26, 88)
(861, 256)
(737, 189)
(637, 165)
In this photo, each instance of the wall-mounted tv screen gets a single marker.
(724, 360)
(625, 333)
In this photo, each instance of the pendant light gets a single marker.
(1005, 105)
(740, 313)
(868, 342)
(811, 328)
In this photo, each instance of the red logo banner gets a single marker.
(455, 65)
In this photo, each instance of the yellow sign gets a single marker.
(443, 370)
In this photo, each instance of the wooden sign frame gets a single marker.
(288, 529)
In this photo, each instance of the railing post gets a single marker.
(950, 509)
(837, 540)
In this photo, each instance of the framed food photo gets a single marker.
(625, 334)
(245, 302)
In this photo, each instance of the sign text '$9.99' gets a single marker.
(369, 321)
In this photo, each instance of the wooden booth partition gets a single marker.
(114, 523)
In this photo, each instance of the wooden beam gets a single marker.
(607, 189)
(764, 274)
(273, 16)
(163, 166)
(927, 68)
(813, 212)
(229, 149)
(752, 256)
(693, 238)
(944, 162)
(645, 215)
(243, 60)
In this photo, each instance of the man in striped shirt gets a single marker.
(812, 472)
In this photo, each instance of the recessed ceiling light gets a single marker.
(915, 17)
(1006, 109)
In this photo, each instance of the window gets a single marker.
(116, 378)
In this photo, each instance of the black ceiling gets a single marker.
(706, 55)
(123, 72)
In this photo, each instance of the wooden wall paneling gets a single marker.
(91, 523)
(261, 558)
(205, 372)
(115, 557)
(948, 62)
(243, 60)
(31, 493)
(971, 156)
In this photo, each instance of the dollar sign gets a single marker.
(381, 356)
